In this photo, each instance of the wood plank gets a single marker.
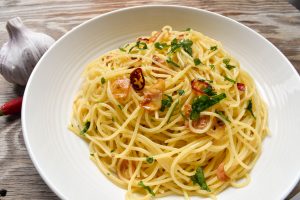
(278, 21)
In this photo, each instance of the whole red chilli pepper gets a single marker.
(11, 107)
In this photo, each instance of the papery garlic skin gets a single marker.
(23, 50)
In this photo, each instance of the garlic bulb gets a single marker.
(20, 54)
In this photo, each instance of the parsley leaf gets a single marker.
(181, 92)
(185, 44)
(122, 49)
(102, 80)
(149, 160)
(201, 103)
(140, 45)
(166, 103)
(226, 62)
(85, 127)
(111, 151)
(188, 29)
(160, 45)
(200, 179)
(209, 91)
(197, 61)
(172, 62)
(213, 48)
(249, 108)
(226, 78)
(120, 106)
(212, 66)
(146, 188)
(221, 113)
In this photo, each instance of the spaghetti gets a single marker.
(172, 113)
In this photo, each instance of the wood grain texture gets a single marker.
(278, 21)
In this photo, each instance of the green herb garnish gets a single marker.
(85, 127)
(213, 48)
(140, 45)
(166, 103)
(212, 66)
(181, 92)
(172, 62)
(120, 106)
(249, 108)
(226, 78)
(227, 65)
(188, 29)
(209, 91)
(199, 179)
(185, 44)
(111, 151)
(150, 160)
(146, 188)
(122, 49)
(103, 80)
(201, 103)
(160, 45)
(222, 115)
(197, 61)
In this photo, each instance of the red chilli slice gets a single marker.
(198, 86)
(241, 86)
(137, 79)
(11, 107)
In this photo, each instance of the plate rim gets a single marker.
(31, 153)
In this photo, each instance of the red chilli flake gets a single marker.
(137, 79)
(198, 86)
(241, 86)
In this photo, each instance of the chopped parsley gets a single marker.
(85, 127)
(120, 106)
(227, 65)
(188, 29)
(150, 160)
(222, 115)
(226, 78)
(91, 154)
(185, 44)
(209, 91)
(160, 45)
(140, 45)
(213, 48)
(212, 66)
(103, 80)
(197, 61)
(170, 61)
(166, 103)
(122, 49)
(201, 103)
(181, 92)
(113, 150)
(249, 108)
(146, 188)
(199, 179)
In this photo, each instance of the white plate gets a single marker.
(62, 158)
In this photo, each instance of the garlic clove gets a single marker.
(23, 50)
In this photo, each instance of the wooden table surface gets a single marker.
(278, 21)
